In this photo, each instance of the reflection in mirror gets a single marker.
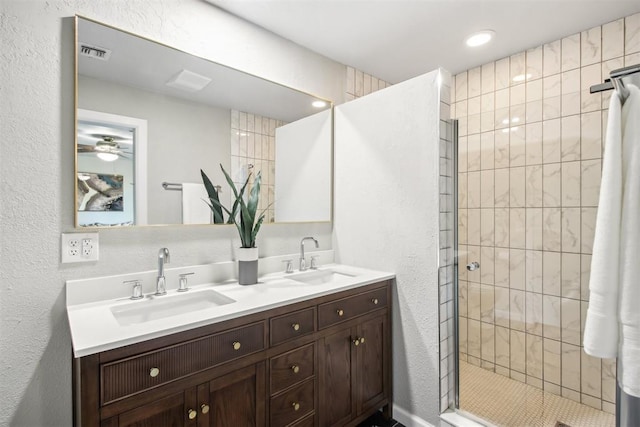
(149, 117)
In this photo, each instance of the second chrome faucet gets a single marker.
(303, 262)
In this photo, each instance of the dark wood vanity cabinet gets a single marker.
(321, 362)
(354, 371)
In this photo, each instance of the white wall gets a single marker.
(303, 169)
(386, 218)
(36, 172)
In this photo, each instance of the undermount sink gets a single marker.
(320, 277)
(154, 308)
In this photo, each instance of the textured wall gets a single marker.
(37, 177)
(386, 217)
(529, 179)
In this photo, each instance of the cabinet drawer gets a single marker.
(309, 421)
(293, 405)
(347, 308)
(122, 378)
(292, 367)
(292, 325)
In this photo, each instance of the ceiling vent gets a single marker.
(95, 52)
(189, 81)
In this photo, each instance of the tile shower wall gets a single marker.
(529, 174)
(253, 149)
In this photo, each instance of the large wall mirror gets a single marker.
(150, 117)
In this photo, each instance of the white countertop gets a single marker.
(94, 327)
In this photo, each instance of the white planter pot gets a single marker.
(248, 266)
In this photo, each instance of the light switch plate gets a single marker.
(79, 247)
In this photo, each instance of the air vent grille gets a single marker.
(93, 51)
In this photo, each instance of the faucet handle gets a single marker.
(314, 262)
(288, 268)
(183, 282)
(137, 289)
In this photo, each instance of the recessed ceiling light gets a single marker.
(521, 77)
(480, 38)
(319, 104)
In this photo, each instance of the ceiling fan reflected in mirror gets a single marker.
(107, 148)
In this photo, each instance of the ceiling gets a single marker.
(399, 39)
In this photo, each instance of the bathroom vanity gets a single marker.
(321, 356)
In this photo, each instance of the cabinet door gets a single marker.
(335, 379)
(172, 411)
(371, 376)
(234, 400)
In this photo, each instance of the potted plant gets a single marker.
(244, 214)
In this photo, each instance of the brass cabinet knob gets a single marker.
(295, 369)
(296, 326)
(192, 414)
(204, 408)
(340, 312)
(296, 406)
(375, 301)
(236, 345)
(356, 341)
(153, 372)
(362, 340)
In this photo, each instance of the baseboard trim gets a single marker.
(408, 419)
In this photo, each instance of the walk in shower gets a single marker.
(529, 158)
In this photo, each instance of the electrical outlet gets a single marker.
(79, 247)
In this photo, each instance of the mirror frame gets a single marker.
(77, 17)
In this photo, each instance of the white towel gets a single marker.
(601, 327)
(194, 208)
(613, 319)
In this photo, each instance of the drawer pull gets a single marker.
(204, 408)
(375, 301)
(296, 406)
(236, 345)
(356, 341)
(295, 369)
(192, 414)
(340, 312)
(153, 372)
(362, 340)
(296, 326)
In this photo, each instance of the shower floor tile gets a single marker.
(509, 403)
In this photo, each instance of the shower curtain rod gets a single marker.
(615, 81)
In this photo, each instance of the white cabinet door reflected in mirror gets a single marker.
(303, 186)
(197, 114)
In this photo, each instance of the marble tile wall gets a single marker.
(531, 138)
(253, 149)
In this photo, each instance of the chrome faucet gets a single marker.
(303, 263)
(163, 258)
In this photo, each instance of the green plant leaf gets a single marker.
(243, 213)
(254, 234)
(213, 195)
(252, 204)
